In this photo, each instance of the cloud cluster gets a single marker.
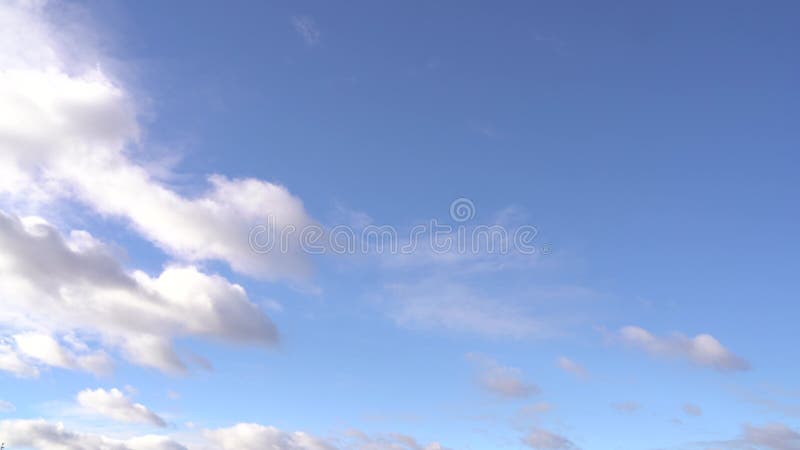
(69, 133)
(64, 294)
(67, 129)
(41, 434)
(117, 406)
(703, 350)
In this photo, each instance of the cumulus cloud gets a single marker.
(10, 360)
(44, 349)
(702, 350)
(67, 129)
(63, 294)
(41, 434)
(501, 380)
(570, 366)
(116, 405)
(252, 436)
(542, 439)
(692, 410)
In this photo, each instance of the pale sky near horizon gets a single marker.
(180, 183)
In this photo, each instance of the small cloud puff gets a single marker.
(702, 350)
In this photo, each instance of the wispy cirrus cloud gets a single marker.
(771, 399)
(504, 381)
(307, 28)
(570, 366)
(456, 307)
(541, 439)
(769, 436)
(357, 439)
(772, 436)
(627, 407)
(692, 410)
(7, 407)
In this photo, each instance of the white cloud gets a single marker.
(702, 350)
(66, 295)
(68, 128)
(43, 348)
(10, 360)
(116, 405)
(501, 380)
(692, 410)
(572, 367)
(44, 435)
(542, 439)
(252, 436)
(306, 27)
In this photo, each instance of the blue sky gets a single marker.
(651, 146)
